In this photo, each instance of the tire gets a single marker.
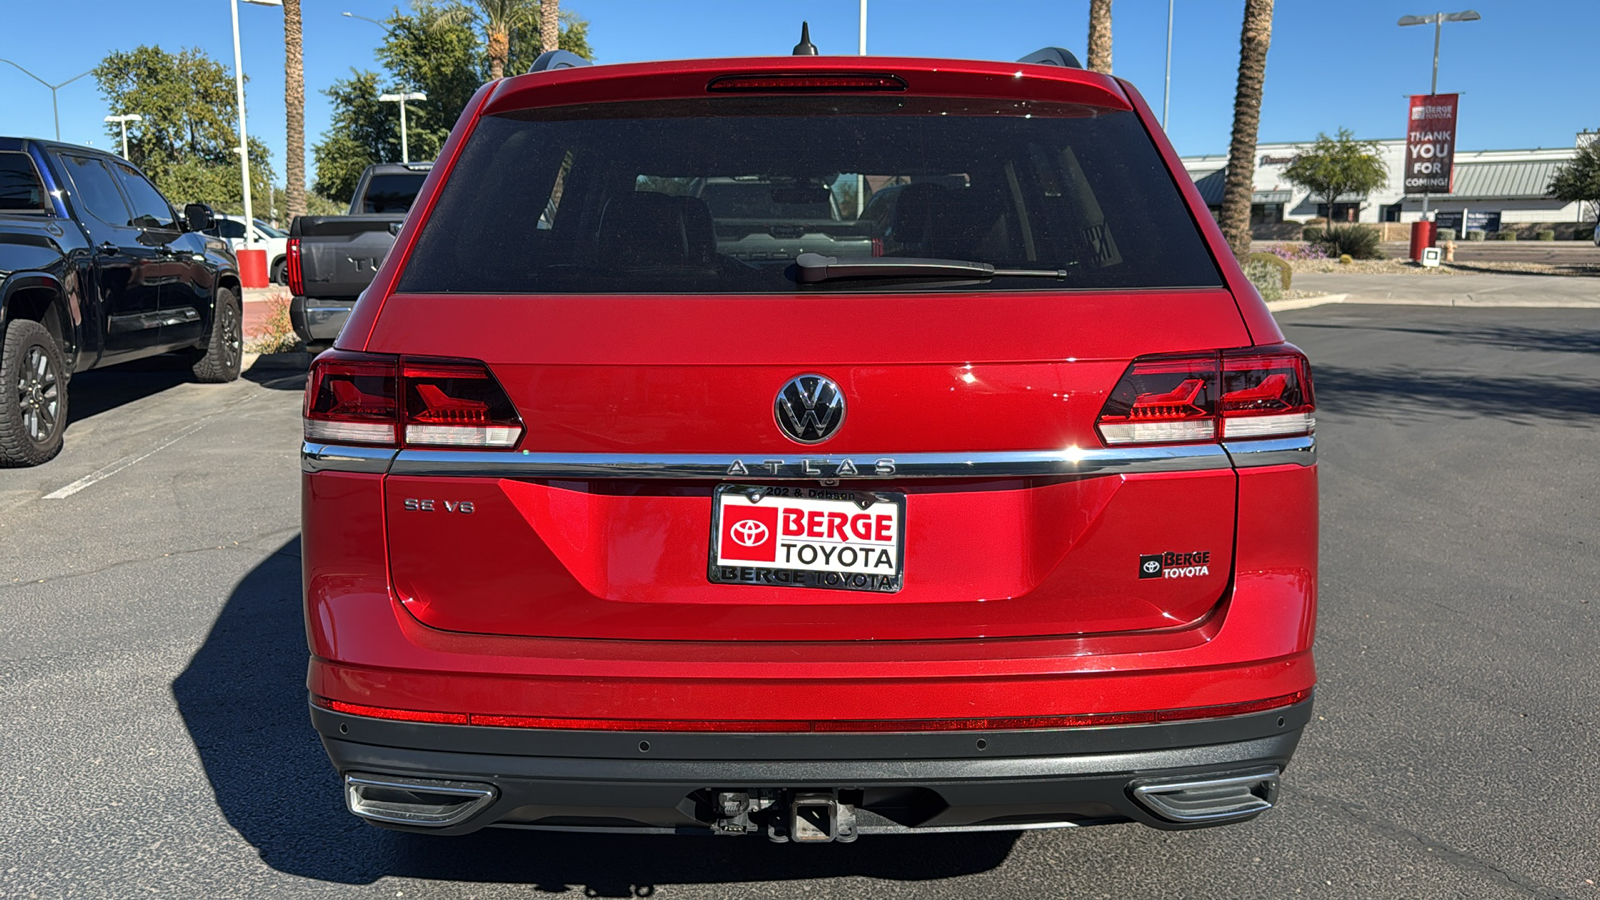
(33, 405)
(224, 352)
(280, 274)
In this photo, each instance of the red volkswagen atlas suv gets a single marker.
(655, 487)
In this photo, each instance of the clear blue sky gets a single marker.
(1528, 71)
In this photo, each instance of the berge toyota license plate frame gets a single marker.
(805, 536)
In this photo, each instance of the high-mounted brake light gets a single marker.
(1253, 392)
(293, 273)
(368, 398)
(806, 83)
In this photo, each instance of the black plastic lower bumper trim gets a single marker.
(633, 781)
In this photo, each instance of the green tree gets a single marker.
(425, 50)
(190, 129)
(510, 25)
(364, 132)
(1335, 166)
(1578, 180)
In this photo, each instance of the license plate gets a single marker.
(812, 537)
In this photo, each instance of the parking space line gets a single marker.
(106, 472)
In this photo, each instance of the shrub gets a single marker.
(1284, 270)
(1297, 252)
(276, 334)
(1447, 234)
(1312, 233)
(1354, 241)
(1583, 233)
(1506, 235)
(1265, 276)
(1475, 235)
(1545, 234)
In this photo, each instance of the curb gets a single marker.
(1305, 302)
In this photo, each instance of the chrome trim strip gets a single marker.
(793, 467)
(1299, 451)
(344, 458)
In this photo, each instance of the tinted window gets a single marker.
(392, 193)
(20, 189)
(150, 209)
(230, 228)
(722, 194)
(269, 231)
(96, 190)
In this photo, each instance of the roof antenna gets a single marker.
(805, 47)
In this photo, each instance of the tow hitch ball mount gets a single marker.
(804, 817)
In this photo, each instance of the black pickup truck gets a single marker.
(96, 268)
(332, 259)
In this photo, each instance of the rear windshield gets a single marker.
(392, 193)
(721, 195)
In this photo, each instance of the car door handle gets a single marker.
(108, 248)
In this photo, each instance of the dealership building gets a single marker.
(1492, 189)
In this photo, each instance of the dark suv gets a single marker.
(1006, 519)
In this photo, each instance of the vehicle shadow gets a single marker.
(243, 700)
(1397, 393)
(102, 390)
(279, 371)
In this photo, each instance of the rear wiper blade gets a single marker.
(814, 267)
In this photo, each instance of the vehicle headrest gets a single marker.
(937, 221)
(647, 230)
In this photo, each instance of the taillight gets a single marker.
(1253, 392)
(368, 398)
(804, 83)
(291, 268)
(1266, 394)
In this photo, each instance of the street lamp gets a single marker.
(125, 119)
(244, 142)
(351, 15)
(401, 98)
(1437, 20)
(53, 88)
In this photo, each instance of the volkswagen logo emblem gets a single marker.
(749, 533)
(809, 408)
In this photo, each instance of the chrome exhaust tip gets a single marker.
(424, 802)
(1215, 798)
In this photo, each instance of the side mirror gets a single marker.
(199, 217)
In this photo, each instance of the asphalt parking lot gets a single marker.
(154, 739)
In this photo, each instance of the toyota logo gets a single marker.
(809, 408)
(748, 533)
(1151, 566)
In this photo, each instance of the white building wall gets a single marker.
(1272, 159)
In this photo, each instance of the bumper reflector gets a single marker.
(1088, 720)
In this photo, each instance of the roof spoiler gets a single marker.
(1049, 56)
(557, 59)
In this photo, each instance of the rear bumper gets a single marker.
(655, 782)
(318, 321)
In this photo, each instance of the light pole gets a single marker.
(124, 120)
(1437, 20)
(1166, 90)
(401, 98)
(53, 88)
(861, 49)
(244, 142)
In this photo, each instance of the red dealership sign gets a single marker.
(1430, 143)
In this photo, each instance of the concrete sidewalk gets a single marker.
(1485, 290)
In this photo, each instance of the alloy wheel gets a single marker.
(39, 395)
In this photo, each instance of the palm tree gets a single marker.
(294, 102)
(1100, 36)
(1254, 38)
(498, 19)
(550, 27)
